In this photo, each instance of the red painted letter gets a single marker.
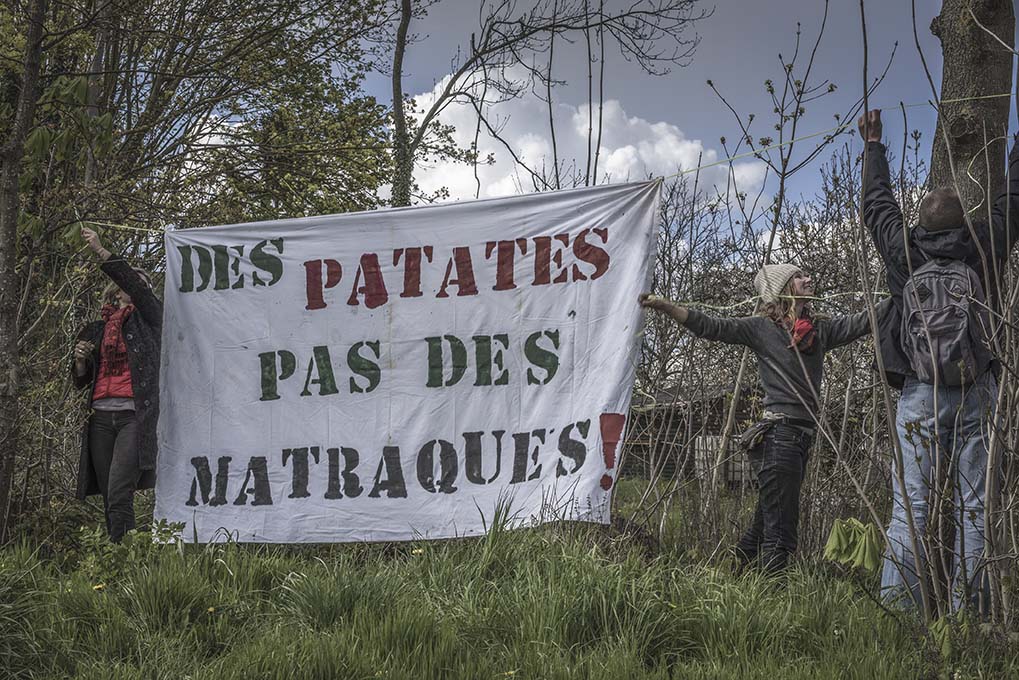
(412, 269)
(464, 273)
(505, 256)
(374, 289)
(591, 254)
(313, 278)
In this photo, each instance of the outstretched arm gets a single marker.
(843, 330)
(733, 331)
(660, 304)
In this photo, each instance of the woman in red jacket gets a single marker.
(118, 359)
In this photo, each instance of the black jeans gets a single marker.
(112, 448)
(780, 462)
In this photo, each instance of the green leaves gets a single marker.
(38, 142)
(69, 91)
(67, 136)
(30, 225)
(71, 234)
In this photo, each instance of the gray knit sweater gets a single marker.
(791, 380)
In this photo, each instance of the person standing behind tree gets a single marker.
(790, 342)
(117, 358)
(943, 276)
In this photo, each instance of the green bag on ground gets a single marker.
(854, 543)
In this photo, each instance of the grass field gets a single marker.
(557, 602)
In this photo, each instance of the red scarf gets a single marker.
(802, 334)
(113, 351)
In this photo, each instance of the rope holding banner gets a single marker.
(111, 225)
(747, 154)
(832, 131)
(751, 300)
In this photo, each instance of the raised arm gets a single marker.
(881, 212)
(144, 300)
(1004, 226)
(843, 330)
(130, 281)
(738, 331)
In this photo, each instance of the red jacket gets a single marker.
(112, 385)
(113, 379)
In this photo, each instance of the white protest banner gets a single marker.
(402, 374)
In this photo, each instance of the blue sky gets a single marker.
(665, 121)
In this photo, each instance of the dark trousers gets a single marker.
(112, 448)
(780, 462)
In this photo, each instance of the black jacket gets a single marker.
(904, 251)
(142, 335)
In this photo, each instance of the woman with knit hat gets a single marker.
(117, 358)
(790, 342)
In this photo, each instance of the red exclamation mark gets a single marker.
(611, 431)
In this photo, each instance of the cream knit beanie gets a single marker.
(772, 278)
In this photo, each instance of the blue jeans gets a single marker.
(956, 434)
(780, 463)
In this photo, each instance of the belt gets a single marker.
(802, 423)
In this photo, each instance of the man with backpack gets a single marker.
(937, 347)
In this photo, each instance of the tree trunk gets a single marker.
(403, 159)
(975, 65)
(11, 153)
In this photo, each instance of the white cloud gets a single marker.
(631, 148)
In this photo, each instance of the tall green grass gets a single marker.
(559, 602)
(25, 610)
